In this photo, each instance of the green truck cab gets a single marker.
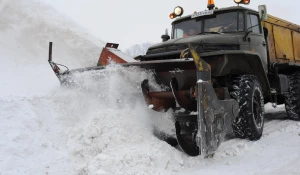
(246, 64)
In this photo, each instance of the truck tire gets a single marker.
(246, 90)
(292, 100)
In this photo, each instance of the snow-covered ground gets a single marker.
(93, 129)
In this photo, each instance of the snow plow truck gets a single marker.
(220, 67)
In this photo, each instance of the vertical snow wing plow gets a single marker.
(214, 116)
(202, 118)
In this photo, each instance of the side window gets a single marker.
(253, 22)
(178, 33)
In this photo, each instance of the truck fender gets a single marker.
(241, 62)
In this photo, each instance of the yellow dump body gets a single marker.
(283, 40)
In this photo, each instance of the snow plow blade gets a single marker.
(109, 54)
(205, 117)
(203, 114)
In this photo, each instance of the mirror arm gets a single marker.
(247, 33)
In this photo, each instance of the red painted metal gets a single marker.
(107, 55)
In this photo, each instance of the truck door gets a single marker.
(256, 38)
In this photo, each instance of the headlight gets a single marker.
(178, 11)
(246, 2)
(172, 15)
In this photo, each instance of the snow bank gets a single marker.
(48, 129)
(115, 134)
(95, 129)
(88, 129)
(26, 28)
(32, 141)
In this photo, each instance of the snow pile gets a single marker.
(48, 129)
(76, 132)
(87, 129)
(115, 134)
(32, 141)
(26, 28)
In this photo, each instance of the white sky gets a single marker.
(130, 22)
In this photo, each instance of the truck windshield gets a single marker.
(218, 23)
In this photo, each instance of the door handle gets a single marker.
(264, 43)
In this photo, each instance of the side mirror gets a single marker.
(165, 37)
(263, 15)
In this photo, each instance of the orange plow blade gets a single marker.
(109, 54)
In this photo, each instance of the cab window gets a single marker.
(225, 22)
(187, 28)
(253, 23)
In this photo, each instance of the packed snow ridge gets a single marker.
(97, 126)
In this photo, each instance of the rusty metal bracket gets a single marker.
(185, 53)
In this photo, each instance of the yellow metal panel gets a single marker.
(283, 43)
(283, 23)
(296, 42)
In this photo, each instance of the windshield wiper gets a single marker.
(214, 32)
(248, 31)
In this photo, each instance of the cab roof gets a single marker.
(233, 8)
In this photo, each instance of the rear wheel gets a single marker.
(246, 90)
(292, 100)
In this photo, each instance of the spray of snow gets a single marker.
(114, 129)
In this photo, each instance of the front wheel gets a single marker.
(246, 90)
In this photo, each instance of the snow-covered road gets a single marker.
(277, 152)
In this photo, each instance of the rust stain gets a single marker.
(204, 100)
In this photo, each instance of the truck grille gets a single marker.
(200, 48)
